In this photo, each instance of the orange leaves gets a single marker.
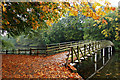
(35, 25)
(44, 8)
(8, 22)
(84, 2)
(33, 18)
(104, 21)
(52, 11)
(21, 66)
(107, 9)
(93, 6)
(113, 8)
(49, 22)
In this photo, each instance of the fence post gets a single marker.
(66, 46)
(92, 46)
(89, 48)
(30, 51)
(95, 45)
(103, 52)
(78, 53)
(98, 44)
(72, 54)
(6, 51)
(25, 51)
(37, 52)
(18, 51)
(84, 49)
(13, 51)
(111, 50)
(71, 44)
(46, 49)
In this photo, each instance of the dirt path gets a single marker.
(27, 66)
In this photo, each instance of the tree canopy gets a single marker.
(26, 17)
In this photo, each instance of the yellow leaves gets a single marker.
(63, 7)
(98, 12)
(84, 2)
(73, 13)
(113, 25)
(100, 26)
(60, 14)
(56, 22)
(98, 21)
(103, 13)
(68, 5)
(44, 8)
(70, 14)
(4, 9)
(63, 16)
(49, 23)
(110, 19)
(117, 35)
(116, 28)
(106, 35)
(94, 6)
(56, 10)
(85, 13)
(97, 4)
(107, 17)
(71, 9)
(117, 24)
(91, 14)
(67, 9)
(101, 0)
(106, 2)
(103, 31)
(107, 9)
(116, 19)
(94, 24)
(99, 9)
(95, 16)
(76, 7)
(46, 11)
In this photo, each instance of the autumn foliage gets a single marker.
(26, 66)
(19, 17)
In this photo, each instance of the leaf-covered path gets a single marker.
(27, 66)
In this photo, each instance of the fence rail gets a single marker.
(50, 48)
(76, 54)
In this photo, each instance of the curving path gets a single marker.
(27, 66)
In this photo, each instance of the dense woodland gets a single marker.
(26, 28)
